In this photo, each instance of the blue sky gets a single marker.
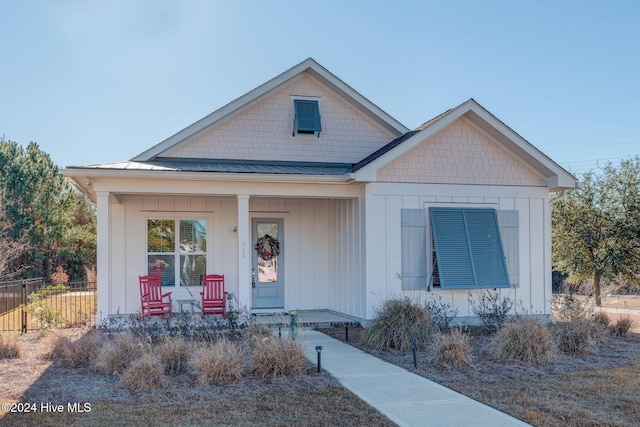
(95, 81)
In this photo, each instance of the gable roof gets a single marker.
(307, 66)
(554, 174)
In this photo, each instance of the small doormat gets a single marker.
(269, 314)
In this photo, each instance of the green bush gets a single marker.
(398, 323)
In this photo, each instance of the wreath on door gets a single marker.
(267, 247)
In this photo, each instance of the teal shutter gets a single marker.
(468, 248)
(307, 115)
(414, 249)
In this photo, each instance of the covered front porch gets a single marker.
(320, 265)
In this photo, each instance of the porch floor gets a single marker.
(306, 319)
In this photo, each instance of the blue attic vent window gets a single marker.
(307, 117)
(468, 248)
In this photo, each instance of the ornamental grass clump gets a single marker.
(621, 326)
(578, 336)
(75, 354)
(398, 323)
(173, 353)
(9, 347)
(144, 373)
(525, 340)
(451, 349)
(277, 358)
(116, 355)
(217, 363)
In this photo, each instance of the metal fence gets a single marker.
(33, 304)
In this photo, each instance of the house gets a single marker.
(346, 205)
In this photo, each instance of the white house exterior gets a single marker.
(350, 193)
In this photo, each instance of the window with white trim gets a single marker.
(177, 250)
(306, 116)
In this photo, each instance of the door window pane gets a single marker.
(267, 268)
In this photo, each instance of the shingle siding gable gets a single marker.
(262, 131)
(459, 154)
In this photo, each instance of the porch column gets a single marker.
(103, 255)
(244, 252)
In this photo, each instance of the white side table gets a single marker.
(182, 302)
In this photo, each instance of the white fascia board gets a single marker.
(521, 148)
(358, 100)
(205, 176)
(227, 188)
(247, 99)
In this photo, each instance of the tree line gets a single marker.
(44, 223)
(596, 230)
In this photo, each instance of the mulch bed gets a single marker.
(613, 352)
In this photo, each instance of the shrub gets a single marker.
(143, 373)
(45, 315)
(78, 353)
(441, 314)
(115, 356)
(259, 331)
(451, 349)
(9, 347)
(491, 309)
(398, 323)
(601, 318)
(578, 336)
(524, 340)
(217, 363)
(59, 276)
(622, 325)
(567, 307)
(274, 358)
(174, 354)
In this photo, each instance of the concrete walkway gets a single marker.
(405, 398)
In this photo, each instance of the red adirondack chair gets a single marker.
(214, 297)
(152, 300)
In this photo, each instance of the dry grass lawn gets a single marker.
(601, 389)
(305, 399)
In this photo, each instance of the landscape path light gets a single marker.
(319, 351)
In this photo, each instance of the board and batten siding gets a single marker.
(128, 253)
(309, 266)
(528, 206)
(347, 269)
